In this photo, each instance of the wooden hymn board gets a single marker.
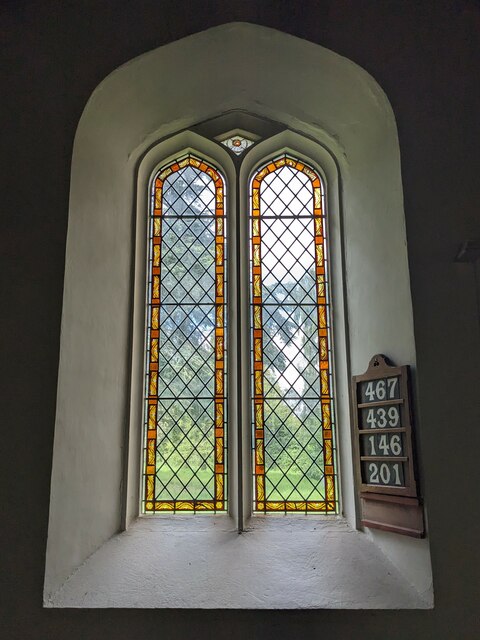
(384, 453)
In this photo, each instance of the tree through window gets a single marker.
(185, 439)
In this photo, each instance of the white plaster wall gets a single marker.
(301, 84)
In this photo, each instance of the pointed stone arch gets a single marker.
(308, 89)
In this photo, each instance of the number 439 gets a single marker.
(379, 418)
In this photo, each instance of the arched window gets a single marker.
(290, 369)
(184, 441)
(291, 356)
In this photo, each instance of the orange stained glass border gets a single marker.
(329, 504)
(218, 503)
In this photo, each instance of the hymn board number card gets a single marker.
(384, 451)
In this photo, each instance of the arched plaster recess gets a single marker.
(234, 66)
(158, 156)
(318, 156)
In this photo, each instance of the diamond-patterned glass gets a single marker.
(292, 411)
(185, 411)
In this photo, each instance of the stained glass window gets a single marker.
(237, 143)
(291, 364)
(185, 402)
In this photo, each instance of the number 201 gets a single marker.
(383, 475)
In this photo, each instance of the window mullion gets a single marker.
(240, 327)
(239, 370)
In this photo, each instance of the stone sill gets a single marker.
(281, 562)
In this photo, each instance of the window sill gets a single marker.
(281, 562)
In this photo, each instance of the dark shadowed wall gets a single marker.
(425, 55)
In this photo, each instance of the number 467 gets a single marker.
(381, 389)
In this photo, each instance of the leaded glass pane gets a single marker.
(292, 413)
(185, 409)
